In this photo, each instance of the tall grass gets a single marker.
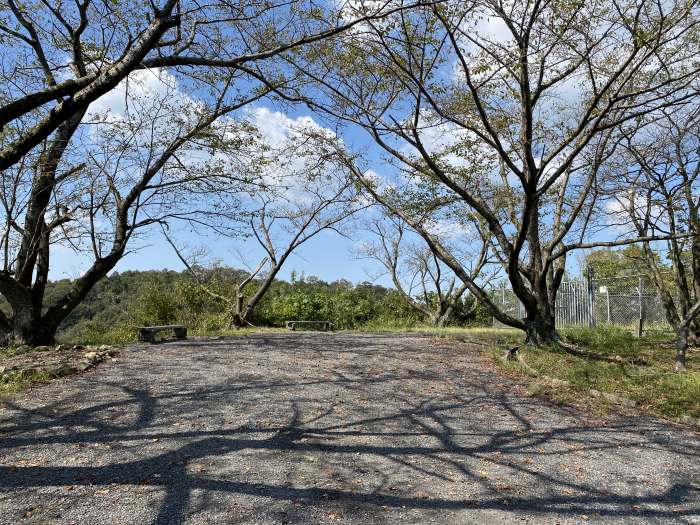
(653, 386)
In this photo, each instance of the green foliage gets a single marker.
(111, 299)
(157, 304)
(121, 303)
(346, 306)
(654, 385)
(617, 263)
(17, 380)
(603, 338)
(614, 263)
(96, 332)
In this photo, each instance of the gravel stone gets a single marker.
(323, 428)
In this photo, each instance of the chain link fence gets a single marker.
(619, 301)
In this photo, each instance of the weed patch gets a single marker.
(654, 386)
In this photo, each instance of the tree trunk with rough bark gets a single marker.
(25, 326)
(540, 329)
(28, 323)
(443, 319)
(681, 348)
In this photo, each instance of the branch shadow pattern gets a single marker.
(300, 427)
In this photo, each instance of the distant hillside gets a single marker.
(123, 301)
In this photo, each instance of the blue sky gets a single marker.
(328, 255)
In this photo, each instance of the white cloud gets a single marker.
(447, 229)
(293, 151)
(276, 127)
(494, 29)
(617, 215)
(140, 87)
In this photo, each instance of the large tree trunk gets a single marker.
(540, 324)
(275, 266)
(444, 316)
(539, 297)
(682, 337)
(442, 320)
(242, 316)
(681, 347)
(23, 324)
(540, 329)
(248, 314)
(694, 333)
(236, 312)
(25, 327)
(28, 324)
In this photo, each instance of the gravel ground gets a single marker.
(329, 428)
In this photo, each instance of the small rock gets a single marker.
(61, 370)
(67, 370)
(614, 398)
(534, 389)
(41, 348)
(60, 348)
(91, 356)
(78, 347)
(690, 420)
(103, 348)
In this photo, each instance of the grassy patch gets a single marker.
(12, 381)
(10, 351)
(481, 334)
(128, 335)
(654, 387)
(17, 380)
(604, 338)
(613, 340)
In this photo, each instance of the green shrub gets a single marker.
(602, 338)
(16, 380)
(95, 332)
(132, 299)
(156, 304)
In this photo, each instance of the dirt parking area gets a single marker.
(329, 428)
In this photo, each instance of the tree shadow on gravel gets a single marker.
(443, 439)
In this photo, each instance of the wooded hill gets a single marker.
(123, 301)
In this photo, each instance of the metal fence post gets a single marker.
(591, 310)
(640, 326)
(576, 302)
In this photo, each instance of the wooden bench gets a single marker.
(148, 333)
(327, 326)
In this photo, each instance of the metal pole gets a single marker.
(572, 303)
(640, 327)
(589, 278)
